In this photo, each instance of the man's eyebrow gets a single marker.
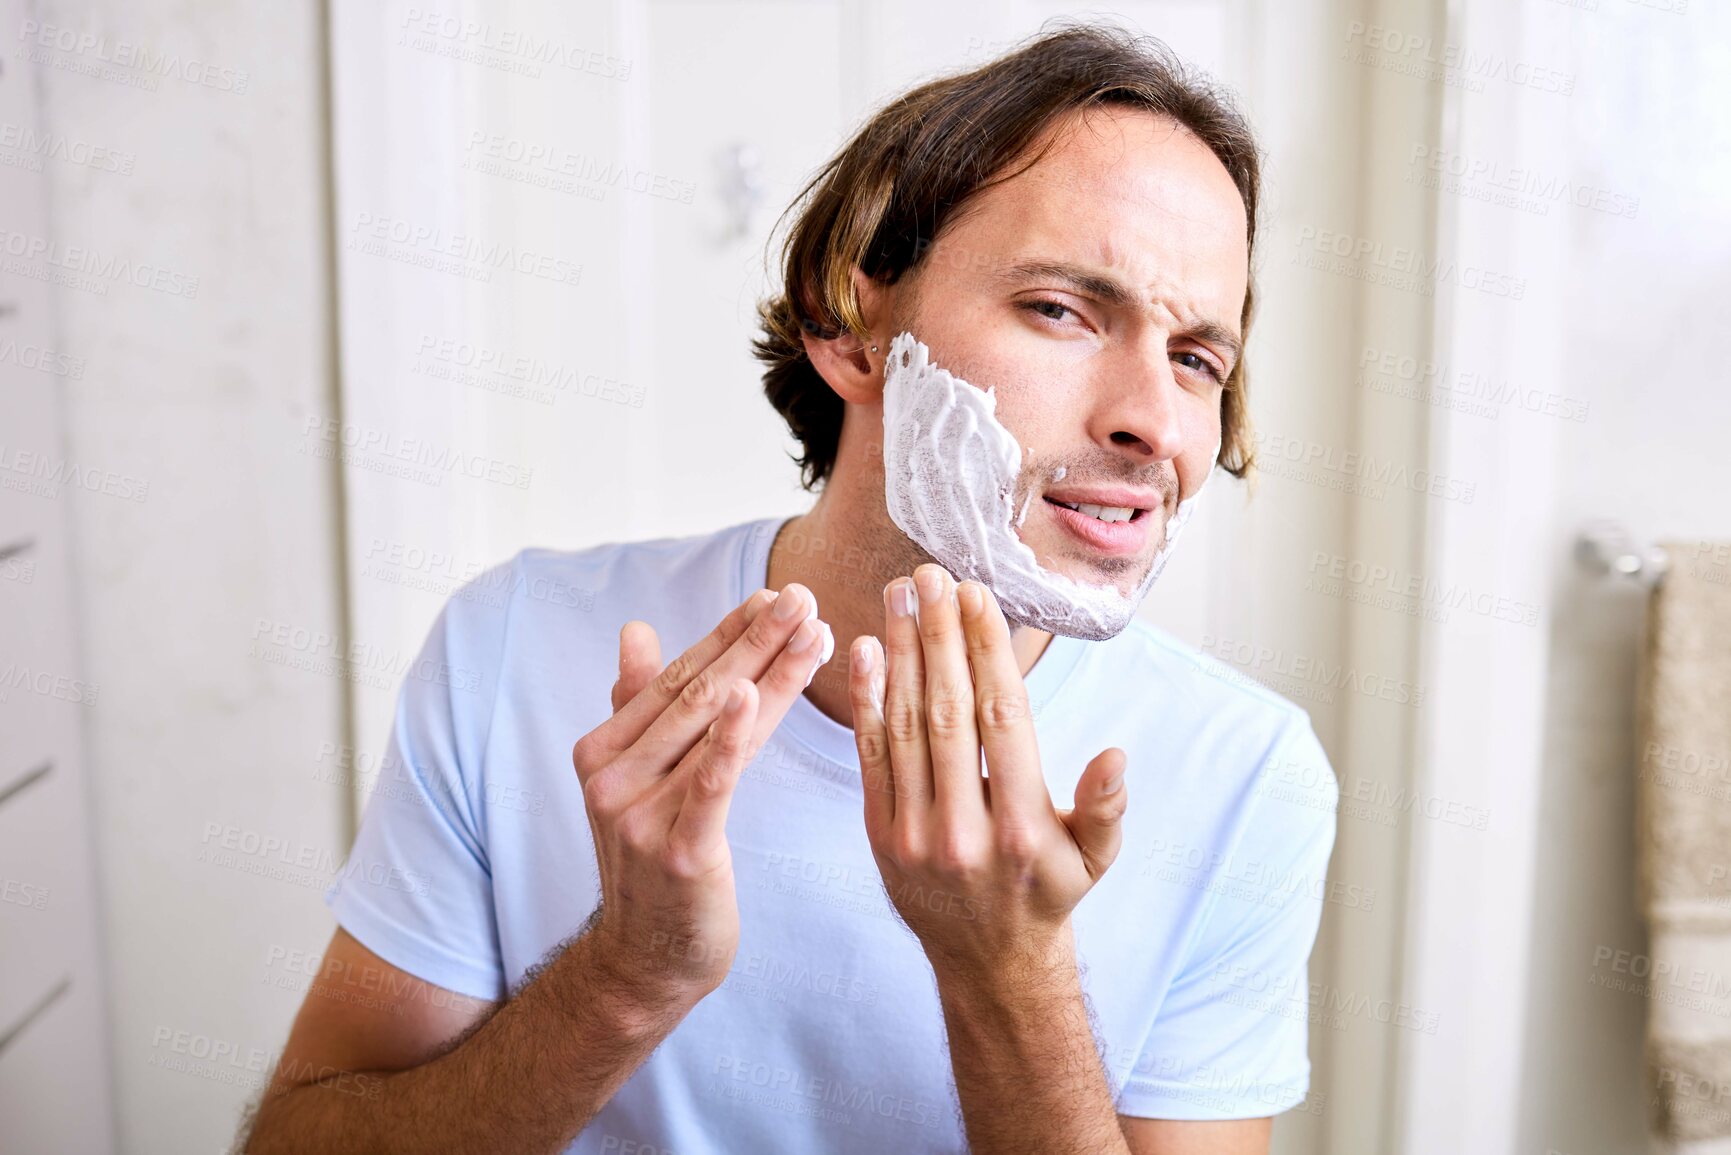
(1111, 291)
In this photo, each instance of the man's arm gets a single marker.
(657, 779)
(985, 872)
(1029, 1076)
(430, 1069)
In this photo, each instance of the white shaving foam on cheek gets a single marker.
(950, 472)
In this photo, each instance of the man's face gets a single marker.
(1100, 293)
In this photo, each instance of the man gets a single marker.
(778, 906)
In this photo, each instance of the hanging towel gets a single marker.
(1683, 842)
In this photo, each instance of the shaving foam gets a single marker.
(950, 473)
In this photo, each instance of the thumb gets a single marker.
(1096, 821)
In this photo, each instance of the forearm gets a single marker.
(527, 1079)
(1027, 1069)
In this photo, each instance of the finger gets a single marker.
(789, 628)
(719, 760)
(905, 703)
(626, 727)
(812, 644)
(639, 661)
(951, 735)
(785, 680)
(1096, 821)
(877, 774)
(1015, 787)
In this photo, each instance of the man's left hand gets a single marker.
(983, 869)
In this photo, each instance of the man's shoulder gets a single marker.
(1144, 650)
(601, 586)
(1213, 722)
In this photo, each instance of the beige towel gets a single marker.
(1683, 824)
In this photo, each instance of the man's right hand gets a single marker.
(658, 777)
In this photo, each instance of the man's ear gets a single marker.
(854, 368)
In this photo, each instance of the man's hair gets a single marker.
(881, 201)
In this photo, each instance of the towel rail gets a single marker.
(1605, 548)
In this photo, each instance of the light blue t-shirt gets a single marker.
(827, 1035)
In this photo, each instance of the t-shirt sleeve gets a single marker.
(1230, 1039)
(416, 889)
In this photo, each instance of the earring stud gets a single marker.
(874, 348)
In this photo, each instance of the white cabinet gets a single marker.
(54, 1076)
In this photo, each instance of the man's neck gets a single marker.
(847, 572)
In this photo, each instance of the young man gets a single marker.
(779, 906)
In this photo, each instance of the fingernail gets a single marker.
(828, 643)
(901, 597)
(968, 599)
(736, 698)
(1112, 784)
(755, 606)
(931, 584)
(862, 657)
(787, 604)
(803, 638)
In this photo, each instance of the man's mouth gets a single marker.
(1108, 520)
(1102, 512)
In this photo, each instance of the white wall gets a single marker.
(204, 397)
(1615, 354)
(1644, 347)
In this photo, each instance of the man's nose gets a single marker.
(1138, 413)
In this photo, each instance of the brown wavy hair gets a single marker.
(881, 201)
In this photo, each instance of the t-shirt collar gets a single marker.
(823, 735)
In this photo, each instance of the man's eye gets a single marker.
(1041, 304)
(1197, 361)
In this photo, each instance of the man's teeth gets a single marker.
(1103, 512)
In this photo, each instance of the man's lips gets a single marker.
(1120, 496)
(1111, 538)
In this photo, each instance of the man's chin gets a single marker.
(1090, 626)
